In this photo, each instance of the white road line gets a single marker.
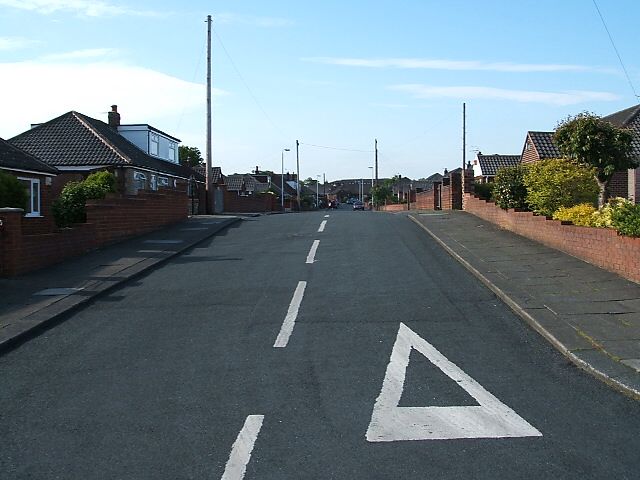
(322, 225)
(312, 252)
(327, 216)
(390, 422)
(242, 448)
(290, 319)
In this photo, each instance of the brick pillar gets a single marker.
(467, 184)
(10, 240)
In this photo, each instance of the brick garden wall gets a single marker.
(598, 246)
(109, 220)
(251, 204)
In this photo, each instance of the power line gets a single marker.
(616, 50)
(264, 112)
(336, 148)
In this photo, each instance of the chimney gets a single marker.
(114, 117)
(257, 170)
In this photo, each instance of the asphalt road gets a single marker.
(175, 376)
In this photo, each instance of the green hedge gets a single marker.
(509, 190)
(13, 193)
(626, 219)
(69, 206)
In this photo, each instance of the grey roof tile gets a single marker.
(14, 158)
(489, 164)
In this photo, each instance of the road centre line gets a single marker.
(312, 252)
(327, 216)
(243, 446)
(290, 319)
(322, 225)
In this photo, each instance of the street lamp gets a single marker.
(318, 192)
(282, 177)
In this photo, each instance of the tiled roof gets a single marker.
(73, 139)
(628, 118)
(14, 158)
(489, 164)
(543, 143)
(216, 172)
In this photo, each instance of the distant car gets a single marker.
(332, 204)
(358, 205)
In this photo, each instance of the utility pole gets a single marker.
(298, 173)
(464, 154)
(376, 164)
(208, 170)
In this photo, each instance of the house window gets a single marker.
(154, 183)
(172, 151)
(163, 182)
(32, 208)
(154, 141)
(140, 180)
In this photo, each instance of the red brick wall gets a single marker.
(425, 200)
(109, 220)
(396, 207)
(598, 246)
(254, 203)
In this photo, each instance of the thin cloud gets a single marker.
(56, 88)
(89, 53)
(570, 97)
(15, 43)
(456, 65)
(89, 8)
(264, 22)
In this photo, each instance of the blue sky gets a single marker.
(333, 74)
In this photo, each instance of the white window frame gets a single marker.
(163, 182)
(153, 183)
(154, 144)
(172, 151)
(34, 200)
(139, 177)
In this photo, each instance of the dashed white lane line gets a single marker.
(243, 446)
(327, 216)
(322, 225)
(312, 252)
(290, 319)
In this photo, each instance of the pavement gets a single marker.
(32, 302)
(590, 315)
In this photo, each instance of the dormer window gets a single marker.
(172, 151)
(154, 143)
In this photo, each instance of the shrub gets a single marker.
(602, 217)
(579, 215)
(483, 190)
(509, 190)
(13, 193)
(69, 206)
(626, 219)
(556, 183)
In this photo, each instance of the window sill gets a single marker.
(32, 215)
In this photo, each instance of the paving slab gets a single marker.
(589, 314)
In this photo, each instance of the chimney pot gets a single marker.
(114, 117)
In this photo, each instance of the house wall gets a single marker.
(529, 153)
(619, 184)
(109, 220)
(599, 246)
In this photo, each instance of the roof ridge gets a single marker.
(89, 127)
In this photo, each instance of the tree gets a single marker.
(588, 140)
(12, 192)
(509, 190)
(190, 156)
(381, 193)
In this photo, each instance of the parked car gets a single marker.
(358, 205)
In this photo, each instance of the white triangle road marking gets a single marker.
(390, 422)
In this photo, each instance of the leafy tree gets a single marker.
(509, 190)
(381, 193)
(13, 193)
(190, 156)
(588, 140)
(555, 183)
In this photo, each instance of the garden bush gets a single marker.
(13, 193)
(509, 190)
(483, 190)
(555, 183)
(602, 217)
(626, 219)
(578, 215)
(69, 206)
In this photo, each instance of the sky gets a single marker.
(334, 75)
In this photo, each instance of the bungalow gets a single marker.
(37, 178)
(485, 167)
(627, 181)
(539, 146)
(142, 157)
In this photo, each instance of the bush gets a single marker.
(509, 190)
(626, 219)
(69, 206)
(483, 190)
(13, 193)
(579, 215)
(602, 217)
(555, 183)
